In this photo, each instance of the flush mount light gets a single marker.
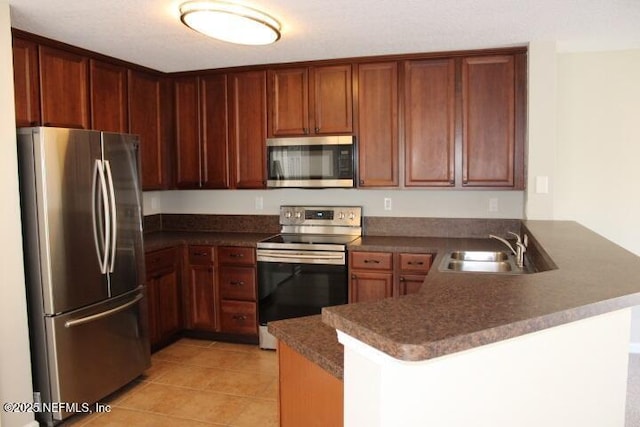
(230, 22)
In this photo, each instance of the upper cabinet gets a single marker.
(378, 124)
(201, 131)
(247, 106)
(311, 101)
(429, 123)
(25, 80)
(490, 98)
(146, 119)
(108, 89)
(64, 88)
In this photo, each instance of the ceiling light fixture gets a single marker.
(230, 22)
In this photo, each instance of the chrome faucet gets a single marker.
(519, 250)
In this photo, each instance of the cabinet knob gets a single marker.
(306, 131)
(402, 279)
(354, 277)
(362, 182)
(317, 130)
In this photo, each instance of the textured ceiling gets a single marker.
(149, 32)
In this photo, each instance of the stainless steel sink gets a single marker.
(483, 256)
(480, 266)
(481, 262)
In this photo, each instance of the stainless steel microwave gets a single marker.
(311, 162)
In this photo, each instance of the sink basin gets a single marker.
(483, 256)
(480, 266)
(496, 262)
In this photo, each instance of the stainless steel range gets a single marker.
(304, 268)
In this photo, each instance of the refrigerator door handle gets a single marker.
(87, 319)
(98, 172)
(113, 214)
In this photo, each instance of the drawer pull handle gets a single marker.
(416, 262)
(237, 283)
(402, 279)
(371, 261)
(236, 255)
(201, 253)
(240, 317)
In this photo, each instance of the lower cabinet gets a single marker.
(309, 395)
(163, 295)
(200, 292)
(238, 290)
(378, 275)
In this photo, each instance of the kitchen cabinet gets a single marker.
(412, 270)
(311, 101)
(201, 295)
(201, 132)
(146, 118)
(247, 129)
(26, 82)
(370, 276)
(163, 295)
(238, 290)
(64, 88)
(429, 123)
(108, 97)
(489, 121)
(308, 395)
(378, 124)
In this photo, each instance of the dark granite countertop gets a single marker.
(459, 311)
(165, 239)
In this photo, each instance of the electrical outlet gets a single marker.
(259, 203)
(387, 203)
(542, 184)
(493, 204)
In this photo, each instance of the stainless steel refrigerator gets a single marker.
(82, 229)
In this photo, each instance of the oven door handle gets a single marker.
(336, 258)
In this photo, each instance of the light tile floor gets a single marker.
(197, 383)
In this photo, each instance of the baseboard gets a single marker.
(634, 347)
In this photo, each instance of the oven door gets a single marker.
(299, 283)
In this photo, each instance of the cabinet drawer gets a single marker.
(415, 262)
(238, 283)
(201, 255)
(371, 260)
(161, 259)
(239, 317)
(236, 255)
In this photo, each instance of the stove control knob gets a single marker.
(298, 214)
(287, 214)
(352, 215)
(341, 215)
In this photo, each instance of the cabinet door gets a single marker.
(64, 90)
(108, 89)
(410, 283)
(25, 80)
(202, 301)
(370, 286)
(488, 115)
(429, 111)
(378, 124)
(152, 310)
(247, 133)
(187, 119)
(332, 99)
(145, 110)
(289, 102)
(215, 131)
(168, 292)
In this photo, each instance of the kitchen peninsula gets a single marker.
(549, 348)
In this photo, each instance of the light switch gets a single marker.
(387, 203)
(542, 184)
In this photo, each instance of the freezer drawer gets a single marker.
(97, 350)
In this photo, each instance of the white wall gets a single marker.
(408, 203)
(589, 103)
(15, 366)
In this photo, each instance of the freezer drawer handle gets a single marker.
(97, 316)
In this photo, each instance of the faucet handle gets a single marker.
(518, 239)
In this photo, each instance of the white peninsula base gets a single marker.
(570, 375)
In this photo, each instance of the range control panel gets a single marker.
(321, 215)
